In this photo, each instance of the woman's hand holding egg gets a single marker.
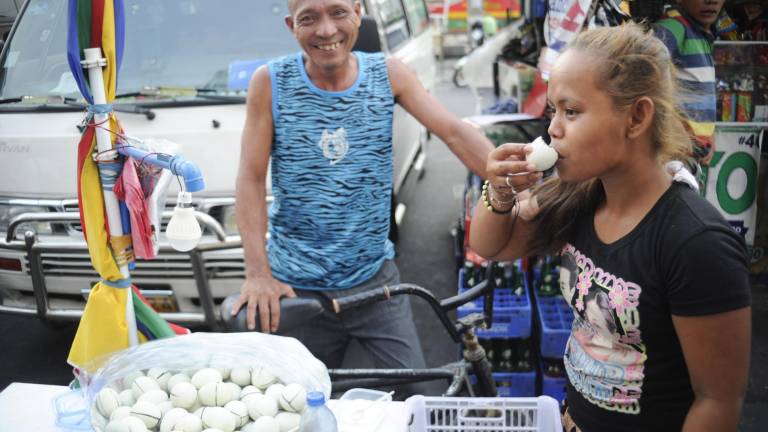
(508, 171)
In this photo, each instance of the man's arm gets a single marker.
(260, 289)
(716, 350)
(466, 142)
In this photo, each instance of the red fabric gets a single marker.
(536, 101)
(97, 22)
(83, 151)
(128, 189)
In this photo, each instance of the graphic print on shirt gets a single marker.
(334, 144)
(605, 356)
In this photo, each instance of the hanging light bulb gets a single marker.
(183, 231)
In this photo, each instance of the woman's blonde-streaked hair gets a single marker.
(630, 63)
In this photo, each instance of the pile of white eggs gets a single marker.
(203, 400)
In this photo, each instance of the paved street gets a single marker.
(33, 353)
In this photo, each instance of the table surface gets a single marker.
(30, 407)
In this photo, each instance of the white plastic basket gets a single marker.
(463, 414)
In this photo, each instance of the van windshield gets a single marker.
(204, 44)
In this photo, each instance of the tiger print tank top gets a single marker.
(332, 176)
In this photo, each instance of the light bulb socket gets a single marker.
(184, 200)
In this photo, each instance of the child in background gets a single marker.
(688, 30)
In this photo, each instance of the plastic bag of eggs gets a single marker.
(206, 399)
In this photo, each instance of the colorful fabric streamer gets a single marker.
(128, 189)
(103, 327)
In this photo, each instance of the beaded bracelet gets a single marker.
(487, 200)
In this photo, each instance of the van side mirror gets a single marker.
(368, 38)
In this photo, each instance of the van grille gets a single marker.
(72, 207)
(165, 266)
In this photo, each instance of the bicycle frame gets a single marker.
(463, 331)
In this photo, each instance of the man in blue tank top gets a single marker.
(324, 116)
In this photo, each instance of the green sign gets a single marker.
(730, 181)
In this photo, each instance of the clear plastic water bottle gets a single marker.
(317, 417)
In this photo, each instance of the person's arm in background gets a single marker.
(260, 290)
(464, 140)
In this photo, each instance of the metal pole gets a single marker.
(94, 62)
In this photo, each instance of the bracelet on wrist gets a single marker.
(488, 200)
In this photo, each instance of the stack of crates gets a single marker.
(507, 340)
(553, 319)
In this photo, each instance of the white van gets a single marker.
(183, 77)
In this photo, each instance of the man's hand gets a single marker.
(262, 293)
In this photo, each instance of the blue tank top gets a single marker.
(332, 176)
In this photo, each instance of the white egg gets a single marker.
(107, 400)
(184, 395)
(219, 418)
(161, 376)
(234, 390)
(120, 413)
(189, 423)
(240, 411)
(205, 376)
(126, 398)
(293, 398)
(262, 378)
(542, 155)
(175, 379)
(261, 405)
(275, 391)
(240, 376)
(248, 391)
(156, 397)
(171, 418)
(266, 424)
(147, 412)
(130, 378)
(287, 421)
(142, 385)
(215, 394)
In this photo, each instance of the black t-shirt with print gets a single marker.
(625, 366)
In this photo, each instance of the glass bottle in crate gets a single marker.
(490, 351)
(482, 272)
(548, 286)
(524, 355)
(506, 355)
(469, 274)
(518, 285)
(553, 368)
(508, 275)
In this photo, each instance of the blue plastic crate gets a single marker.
(554, 386)
(554, 318)
(513, 384)
(511, 313)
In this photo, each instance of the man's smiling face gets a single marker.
(325, 29)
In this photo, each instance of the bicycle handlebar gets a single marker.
(439, 307)
(360, 299)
